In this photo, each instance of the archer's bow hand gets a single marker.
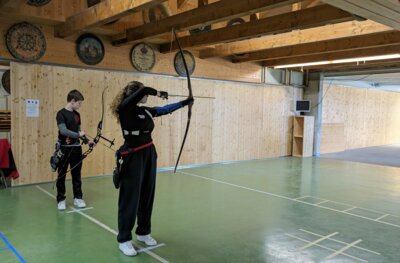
(163, 95)
(84, 139)
(188, 101)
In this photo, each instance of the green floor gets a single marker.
(276, 210)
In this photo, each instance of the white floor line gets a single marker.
(348, 209)
(47, 193)
(343, 249)
(323, 202)
(327, 248)
(288, 198)
(150, 248)
(302, 197)
(81, 209)
(109, 229)
(94, 220)
(338, 241)
(318, 240)
(371, 210)
(381, 217)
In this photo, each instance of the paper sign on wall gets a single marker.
(32, 108)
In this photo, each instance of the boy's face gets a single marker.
(76, 104)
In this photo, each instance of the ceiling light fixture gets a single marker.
(338, 61)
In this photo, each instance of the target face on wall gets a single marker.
(5, 81)
(143, 57)
(200, 29)
(25, 42)
(156, 13)
(37, 2)
(90, 49)
(91, 3)
(180, 66)
(235, 21)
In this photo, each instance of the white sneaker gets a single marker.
(147, 239)
(79, 203)
(127, 248)
(61, 205)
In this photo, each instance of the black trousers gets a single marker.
(136, 193)
(72, 156)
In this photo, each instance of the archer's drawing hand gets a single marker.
(163, 95)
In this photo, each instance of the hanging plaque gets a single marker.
(235, 21)
(25, 42)
(156, 13)
(5, 81)
(90, 49)
(143, 57)
(91, 3)
(200, 29)
(37, 2)
(179, 65)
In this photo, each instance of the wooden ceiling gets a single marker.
(272, 32)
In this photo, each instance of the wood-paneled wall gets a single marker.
(356, 118)
(244, 121)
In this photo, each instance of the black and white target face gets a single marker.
(38, 2)
(180, 66)
(5, 81)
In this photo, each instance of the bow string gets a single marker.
(190, 105)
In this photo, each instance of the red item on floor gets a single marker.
(7, 163)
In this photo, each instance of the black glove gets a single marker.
(84, 139)
(187, 101)
(163, 95)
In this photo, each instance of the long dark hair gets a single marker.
(132, 87)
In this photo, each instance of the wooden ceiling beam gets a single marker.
(181, 3)
(348, 54)
(254, 17)
(102, 13)
(202, 16)
(322, 33)
(202, 3)
(307, 18)
(11, 3)
(349, 43)
(386, 12)
(310, 3)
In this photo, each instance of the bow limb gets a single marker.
(100, 124)
(189, 85)
(99, 135)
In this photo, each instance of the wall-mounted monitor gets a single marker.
(303, 105)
